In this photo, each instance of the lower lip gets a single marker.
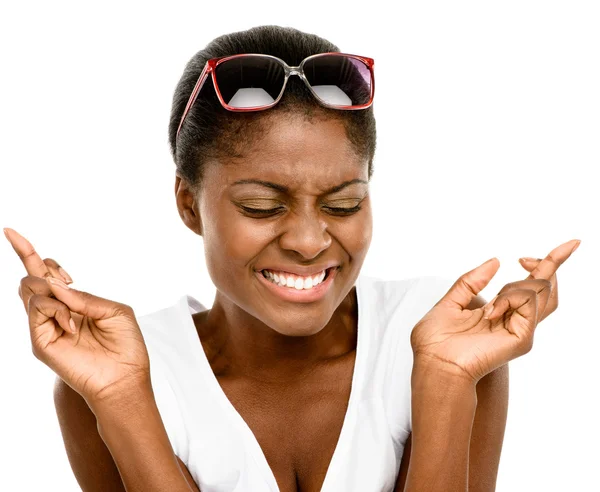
(303, 295)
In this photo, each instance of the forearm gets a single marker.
(443, 410)
(134, 433)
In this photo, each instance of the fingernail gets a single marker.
(528, 259)
(57, 282)
(6, 233)
(65, 275)
(72, 325)
(576, 246)
(487, 311)
(488, 308)
(488, 261)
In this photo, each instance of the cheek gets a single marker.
(355, 236)
(233, 241)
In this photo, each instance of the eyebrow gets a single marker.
(285, 189)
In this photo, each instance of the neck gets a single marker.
(239, 344)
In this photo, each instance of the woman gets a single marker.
(303, 375)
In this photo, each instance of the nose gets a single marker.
(306, 234)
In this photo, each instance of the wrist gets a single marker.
(127, 399)
(429, 372)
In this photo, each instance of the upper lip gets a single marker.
(303, 271)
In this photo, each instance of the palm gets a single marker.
(99, 355)
(474, 345)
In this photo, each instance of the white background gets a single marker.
(488, 120)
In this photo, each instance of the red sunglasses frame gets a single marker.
(213, 63)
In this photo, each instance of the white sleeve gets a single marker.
(164, 396)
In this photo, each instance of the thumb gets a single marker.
(470, 284)
(84, 303)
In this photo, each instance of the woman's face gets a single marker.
(295, 207)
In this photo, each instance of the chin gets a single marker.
(298, 328)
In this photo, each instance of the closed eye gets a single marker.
(344, 210)
(261, 211)
(272, 211)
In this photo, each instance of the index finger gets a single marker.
(548, 266)
(31, 260)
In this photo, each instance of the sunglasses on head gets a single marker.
(253, 82)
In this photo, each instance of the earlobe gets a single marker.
(187, 205)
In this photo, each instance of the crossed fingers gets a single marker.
(544, 269)
(37, 269)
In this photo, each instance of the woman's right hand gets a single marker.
(105, 357)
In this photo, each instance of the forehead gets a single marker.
(301, 154)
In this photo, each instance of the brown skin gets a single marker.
(258, 344)
(298, 368)
(290, 373)
(251, 337)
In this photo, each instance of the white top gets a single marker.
(217, 446)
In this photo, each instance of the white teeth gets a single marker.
(295, 281)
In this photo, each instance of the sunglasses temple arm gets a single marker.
(193, 96)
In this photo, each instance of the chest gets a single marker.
(296, 426)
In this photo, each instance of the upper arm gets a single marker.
(487, 434)
(90, 459)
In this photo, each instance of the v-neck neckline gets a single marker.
(257, 453)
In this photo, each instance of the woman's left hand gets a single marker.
(471, 343)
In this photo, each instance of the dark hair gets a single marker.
(210, 131)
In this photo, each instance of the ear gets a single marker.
(187, 205)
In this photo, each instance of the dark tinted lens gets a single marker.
(248, 81)
(339, 80)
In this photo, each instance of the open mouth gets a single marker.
(297, 282)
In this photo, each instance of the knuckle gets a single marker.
(25, 281)
(545, 284)
(31, 283)
(49, 261)
(462, 283)
(34, 300)
(64, 311)
(527, 345)
(123, 309)
(530, 344)
(509, 286)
